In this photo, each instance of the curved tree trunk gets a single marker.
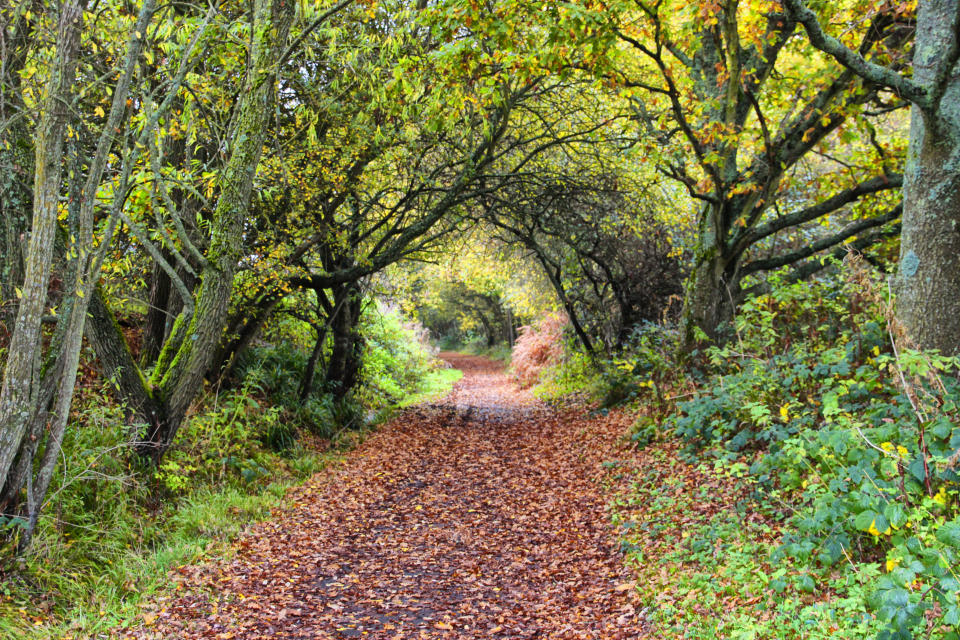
(181, 376)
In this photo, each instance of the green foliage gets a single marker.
(397, 363)
(277, 369)
(704, 562)
(109, 535)
(396, 358)
(225, 441)
(850, 441)
(433, 387)
(645, 363)
(575, 375)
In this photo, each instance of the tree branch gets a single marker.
(824, 243)
(854, 61)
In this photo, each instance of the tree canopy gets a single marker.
(178, 180)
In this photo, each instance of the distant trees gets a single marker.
(611, 263)
(928, 284)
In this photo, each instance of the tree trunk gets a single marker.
(181, 377)
(306, 382)
(155, 324)
(343, 370)
(713, 287)
(19, 377)
(928, 286)
(16, 163)
(241, 331)
(706, 305)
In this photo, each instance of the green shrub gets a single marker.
(397, 358)
(853, 443)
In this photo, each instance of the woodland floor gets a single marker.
(480, 516)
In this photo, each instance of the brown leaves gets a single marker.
(480, 517)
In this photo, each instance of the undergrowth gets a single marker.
(112, 531)
(499, 351)
(839, 447)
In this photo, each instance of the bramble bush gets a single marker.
(847, 435)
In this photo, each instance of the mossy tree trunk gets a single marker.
(21, 375)
(193, 342)
(928, 282)
(928, 287)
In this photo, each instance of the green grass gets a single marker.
(500, 352)
(61, 591)
(437, 384)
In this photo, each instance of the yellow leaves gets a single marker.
(895, 450)
(785, 412)
(941, 497)
(872, 529)
(892, 563)
(98, 111)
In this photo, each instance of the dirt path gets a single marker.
(479, 517)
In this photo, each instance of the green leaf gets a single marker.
(949, 533)
(865, 519)
(895, 513)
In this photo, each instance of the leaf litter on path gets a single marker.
(478, 517)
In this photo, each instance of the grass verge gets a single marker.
(49, 594)
(437, 384)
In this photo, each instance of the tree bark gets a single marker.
(155, 323)
(343, 369)
(19, 378)
(310, 372)
(181, 377)
(928, 283)
(706, 303)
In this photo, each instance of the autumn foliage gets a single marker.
(538, 347)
